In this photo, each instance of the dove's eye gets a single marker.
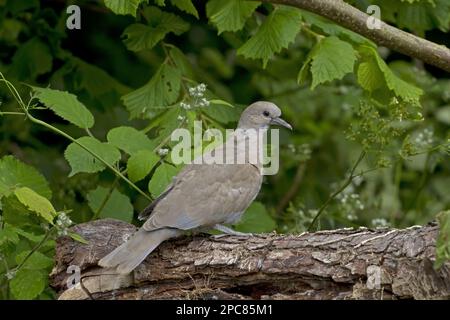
(266, 113)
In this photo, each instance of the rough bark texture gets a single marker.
(347, 16)
(337, 264)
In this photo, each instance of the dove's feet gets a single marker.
(229, 231)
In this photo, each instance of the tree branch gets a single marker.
(387, 36)
(332, 264)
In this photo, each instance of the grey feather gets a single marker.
(130, 254)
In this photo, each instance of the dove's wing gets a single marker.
(203, 195)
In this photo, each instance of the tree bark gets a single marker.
(351, 18)
(335, 264)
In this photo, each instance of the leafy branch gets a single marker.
(26, 107)
(388, 36)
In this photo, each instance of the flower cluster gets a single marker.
(185, 106)
(198, 91)
(163, 152)
(380, 223)
(351, 199)
(198, 100)
(203, 102)
(302, 152)
(424, 138)
(63, 222)
(11, 274)
(350, 204)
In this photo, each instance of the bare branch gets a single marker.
(332, 264)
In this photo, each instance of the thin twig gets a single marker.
(36, 248)
(108, 196)
(338, 191)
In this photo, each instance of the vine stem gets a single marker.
(12, 113)
(109, 166)
(108, 196)
(36, 248)
(19, 100)
(338, 191)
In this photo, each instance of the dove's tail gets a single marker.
(130, 254)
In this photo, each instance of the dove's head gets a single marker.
(260, 115)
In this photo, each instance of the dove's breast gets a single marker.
(204, 195)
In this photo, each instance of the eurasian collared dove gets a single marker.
(201, 196)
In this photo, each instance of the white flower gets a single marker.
(201, 87)
(62, 223)
(180, 118)
(424, 138)
(192, 91)
(62, 232)
(203, 103)
(198, 91)
(163, 152)
(10, 274)
(185, 106)
(380, 222)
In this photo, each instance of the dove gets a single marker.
(202, 196)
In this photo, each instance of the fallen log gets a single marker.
(333, 264)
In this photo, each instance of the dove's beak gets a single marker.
(281, 122)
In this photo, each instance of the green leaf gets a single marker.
(95, 80)
(16, 214)
(415, 17)
(33, 58)
(369, 76)
(14, 173)
(8, 234)
(161, 91)
(400, 87)
(142, 37)
(30, 236)
(65, 105)
(117, 206)
(443, 240)
(221, 102)
(166, 123)
(17, 6)
(82, 161)
(36, 203)
(333, 59)
(329, 28)
(256, 219)
(77, 237)
(140, 164)
(222, 111)
(161, 178)
(230, 15)
(27, 284)
(129, 140)
(36, 261)
(277, 32)
(397, 85)
(181, 61)
(124, 6)
(10, 30)
(186, 6)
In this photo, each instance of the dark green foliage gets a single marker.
(89, 135)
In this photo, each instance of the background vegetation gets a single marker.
(86, 117)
